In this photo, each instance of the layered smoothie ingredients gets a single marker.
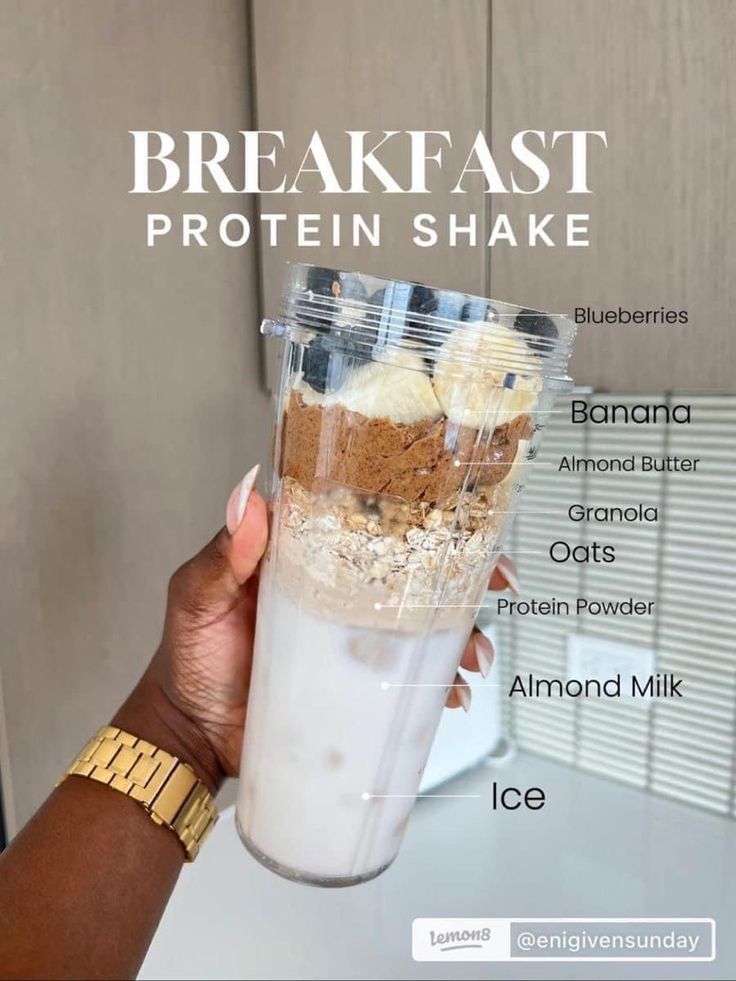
(402, 438)
(381, 486)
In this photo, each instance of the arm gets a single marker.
(83, 886)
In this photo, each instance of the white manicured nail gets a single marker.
(463, 693)
(508, 570)
(484, 654)
(238, 500)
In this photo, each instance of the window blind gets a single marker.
(681, 748)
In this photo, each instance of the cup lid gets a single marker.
(369, 315)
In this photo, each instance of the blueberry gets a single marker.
(476, 311)
(509, 380)
(316, 363)
(328, 359)
(539, 325)
(422, 300)
(323, 281)
(416, 301)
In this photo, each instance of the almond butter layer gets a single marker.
(427, 461)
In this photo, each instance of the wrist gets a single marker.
(149, 714)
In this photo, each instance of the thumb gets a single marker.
(210, 582)
(246, 518)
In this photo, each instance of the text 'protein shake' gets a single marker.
(405, 418)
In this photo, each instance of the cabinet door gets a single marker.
(660, 77)
(129, 392)
(336, 66)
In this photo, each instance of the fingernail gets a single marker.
(509, 572)
(463, 693)
(238, 500)
(483, 653)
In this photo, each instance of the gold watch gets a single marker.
(167, 788)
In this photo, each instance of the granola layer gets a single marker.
(387, 524)
(370, 561)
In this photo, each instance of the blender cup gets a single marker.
(406, 419)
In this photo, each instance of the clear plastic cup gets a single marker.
(406, 419)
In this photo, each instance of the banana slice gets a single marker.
(400, 390)
(471, 391)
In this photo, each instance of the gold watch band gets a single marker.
(167, 788)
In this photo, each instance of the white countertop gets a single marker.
(597, 849)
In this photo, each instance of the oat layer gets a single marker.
(366, 574)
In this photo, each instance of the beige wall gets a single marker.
(129, 391)
(660, 77)
(334, 66)
(378, 65)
